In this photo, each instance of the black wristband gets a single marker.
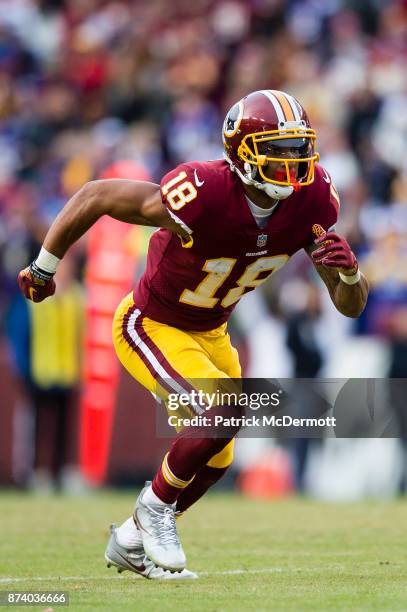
(40, 274)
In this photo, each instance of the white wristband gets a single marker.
(47, 261)
(351, 279)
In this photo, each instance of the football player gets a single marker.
(225, 227)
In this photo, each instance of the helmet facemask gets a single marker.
(292, 152)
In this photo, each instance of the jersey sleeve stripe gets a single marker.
(180, 222)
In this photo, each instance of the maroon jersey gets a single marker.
(195, 286)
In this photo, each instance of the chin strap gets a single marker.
(276, 192)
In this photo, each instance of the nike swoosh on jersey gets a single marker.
(198, 183)
(326, 177)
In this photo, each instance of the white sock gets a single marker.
(151, 499)
(128, 535)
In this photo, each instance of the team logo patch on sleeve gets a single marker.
(318, 230)
(261, 240)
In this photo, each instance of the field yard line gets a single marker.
(11, 580)
(263, 570)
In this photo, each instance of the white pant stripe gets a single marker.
(162, 373)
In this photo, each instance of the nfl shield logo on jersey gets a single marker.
(261, 240)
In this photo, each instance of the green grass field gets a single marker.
(251, 555)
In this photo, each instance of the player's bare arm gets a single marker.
(135, 202)
(337, 266)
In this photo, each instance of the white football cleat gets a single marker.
(135, 560)
(156, 523)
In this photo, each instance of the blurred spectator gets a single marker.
(56, 331)
(46, 349)
(302, 338)
(303, 342)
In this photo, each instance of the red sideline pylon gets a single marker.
(270, 476)
(109, 275)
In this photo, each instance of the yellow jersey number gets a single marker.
(179, 192)
(217, 272)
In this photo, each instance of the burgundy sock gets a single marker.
(204, 479)
(190, 453)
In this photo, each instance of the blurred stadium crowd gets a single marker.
(86, 83)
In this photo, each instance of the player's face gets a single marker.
(277, 171)
(285, 149)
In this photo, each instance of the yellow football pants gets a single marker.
(154, 353)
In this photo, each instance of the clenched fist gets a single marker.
(36, 284)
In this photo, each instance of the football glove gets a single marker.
(335, 252)
(36, 284)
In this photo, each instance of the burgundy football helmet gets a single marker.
(269, 142)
